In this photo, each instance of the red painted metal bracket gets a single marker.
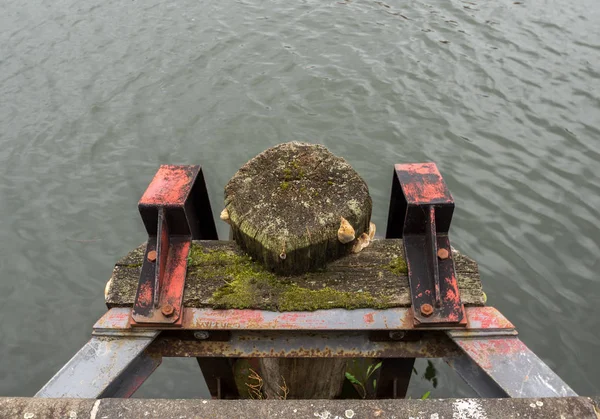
(421, 210)
(175, 210)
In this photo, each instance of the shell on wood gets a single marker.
(225, 215)
(361, 242)
(372, 229)
(346, 232)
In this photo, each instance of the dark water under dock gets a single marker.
(503, 95)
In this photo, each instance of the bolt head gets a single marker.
(201, 335)
(426, 310)
(443, 254)
(397, 334)
(167, 310)
(152, 255)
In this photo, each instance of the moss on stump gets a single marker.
(285, 205)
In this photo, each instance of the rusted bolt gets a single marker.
(443, 254)
(152, 255)
(426, 310)
(201, 335)
(167, 310)
(397, 334)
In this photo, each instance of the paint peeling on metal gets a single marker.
(486, 318)
(432, 189)
(478, 318)
(171, 185)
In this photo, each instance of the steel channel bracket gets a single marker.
(175, 210)
(498, 364)
(421, 210)
(105, 367)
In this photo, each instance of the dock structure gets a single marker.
(409, 295)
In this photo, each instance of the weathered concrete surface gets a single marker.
(30, 408)
(570, 407)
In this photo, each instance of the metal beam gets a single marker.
(394, 378)
(269, 344)
(503, 366)
(399, 318)
(105, 367)
(218, 374)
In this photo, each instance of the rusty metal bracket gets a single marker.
(175, 210)
(421, 210)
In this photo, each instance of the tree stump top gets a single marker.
(288, 201)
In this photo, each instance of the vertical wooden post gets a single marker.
(294, 208)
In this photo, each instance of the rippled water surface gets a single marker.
(503, 95)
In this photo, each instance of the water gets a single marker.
(504, 96)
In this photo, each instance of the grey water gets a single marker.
(503, 95)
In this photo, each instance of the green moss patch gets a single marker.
(398, 266)
(247, 284)
(133, 265)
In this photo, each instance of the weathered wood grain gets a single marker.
(370, 271)
(285, 206)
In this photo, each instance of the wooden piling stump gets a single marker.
(285, 207)
(294, 208)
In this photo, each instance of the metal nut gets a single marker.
(443, 254)
(152, 255)
(426, 310)
(167, 310)
(201, 335)
(397, 334)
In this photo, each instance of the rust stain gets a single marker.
(434, 348)
(369, 318)
(145, 294)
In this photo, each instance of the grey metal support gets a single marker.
(394, 378)
(218, 374)
(503, 366)
(106, 366)
(486, 353)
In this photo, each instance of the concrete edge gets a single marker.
(34, 408)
